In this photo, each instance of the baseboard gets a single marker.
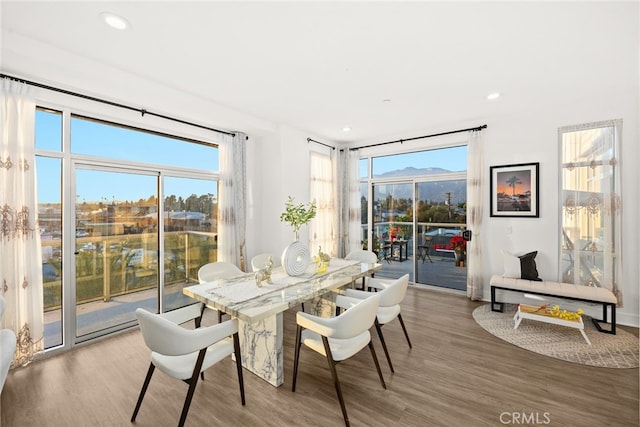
(438, 288)
(627, 319)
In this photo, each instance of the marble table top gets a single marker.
(240, 296)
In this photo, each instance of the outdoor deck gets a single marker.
(439, 271)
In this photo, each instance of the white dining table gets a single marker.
(259, 309)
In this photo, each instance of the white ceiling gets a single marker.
(321, 66)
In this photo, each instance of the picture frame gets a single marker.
(514, 190)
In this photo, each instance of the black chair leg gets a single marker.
(198, 322)
(375, 360)
(143, 391)
(404, 329)
(192, 386)
(296, 357)
(384, 344)
(336, 382)
(236, 349)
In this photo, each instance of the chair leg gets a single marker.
(198, 322)
(192, 386)
(384, 344)
(375, 360)
(405, 330)
(143, 391)
(296, 358)
(236, 349)
(336, 382)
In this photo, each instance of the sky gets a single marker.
(523, 182)
(452, 159)
(97, 139)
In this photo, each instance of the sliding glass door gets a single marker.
(116, 247)
(126, 217)
(190, 234)
(393, 235)
(440, 220)
(416, 205)
(118, 236)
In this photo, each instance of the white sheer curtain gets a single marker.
(20, 253)
(355, 221)
(323, 228)
(591, 249)
(348, 188)
(475, 209)
(232, 200)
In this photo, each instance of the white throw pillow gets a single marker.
(511, 265)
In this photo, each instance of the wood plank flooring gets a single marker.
(456, 375)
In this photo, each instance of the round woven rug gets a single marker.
(560, 342)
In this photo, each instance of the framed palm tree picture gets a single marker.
(514, 190)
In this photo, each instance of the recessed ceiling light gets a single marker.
(114, 21)
(386, 100)
(346, 129)
(494, 95)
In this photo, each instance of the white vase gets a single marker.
(296, 258)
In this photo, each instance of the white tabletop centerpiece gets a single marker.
(296, 256)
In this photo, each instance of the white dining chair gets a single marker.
(215, 271)
(258, 262)
(338, 338)
(184, 354)
(218, 270)
(392, 293)
(7, 346)
(365, 256)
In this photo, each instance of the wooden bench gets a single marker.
(563, 290)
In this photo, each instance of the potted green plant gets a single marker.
(298, 214)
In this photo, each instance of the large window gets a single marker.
(127, 217)
(112, 141)
(590, 238)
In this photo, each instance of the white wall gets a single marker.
(277, 167)
(532, 137)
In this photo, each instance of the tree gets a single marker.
(512, 182)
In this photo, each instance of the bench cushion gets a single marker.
(586, 293)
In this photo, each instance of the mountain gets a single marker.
(434, 191)
(411, 171)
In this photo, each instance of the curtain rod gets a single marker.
(321, 143)
(114, 104)
(420, 137)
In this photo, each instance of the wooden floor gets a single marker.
(456, 375)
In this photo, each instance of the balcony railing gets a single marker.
(108, 266)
